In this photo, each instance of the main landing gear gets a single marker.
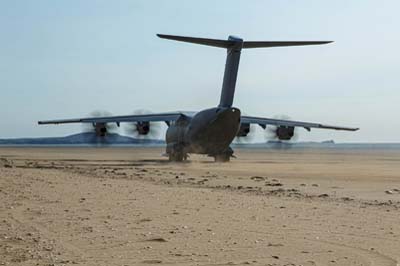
(177, 154)
(224, 157)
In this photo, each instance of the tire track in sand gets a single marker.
(374, 257)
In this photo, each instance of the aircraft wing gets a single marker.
(263, 122)
(161, 117)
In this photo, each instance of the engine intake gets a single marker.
(143, 128)
(100, 129)
(285, 132)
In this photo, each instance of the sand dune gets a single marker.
(129, 206)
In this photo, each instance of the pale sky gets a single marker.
(64, 59)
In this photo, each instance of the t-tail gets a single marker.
(234, 46)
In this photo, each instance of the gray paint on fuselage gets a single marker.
(210, 131)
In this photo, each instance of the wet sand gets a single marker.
(129, 206)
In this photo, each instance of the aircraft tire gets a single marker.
(176, 157)
(222, 158)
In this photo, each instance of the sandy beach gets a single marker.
(130, 206)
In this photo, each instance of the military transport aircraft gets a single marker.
(210, 131)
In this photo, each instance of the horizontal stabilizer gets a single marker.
(233, 41)
(280, 44)
(204, 41)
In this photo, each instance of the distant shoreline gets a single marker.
(296, 146)
(89, 139)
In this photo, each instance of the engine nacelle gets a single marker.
(285, 132)
(143, 128)
(100, 129)
(244, 130)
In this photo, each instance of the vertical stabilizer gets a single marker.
(231, 71)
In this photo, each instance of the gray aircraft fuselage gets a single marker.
(211, 131)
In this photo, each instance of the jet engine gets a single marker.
(280, 132)
(100, 129)
(284, 132)
(99, 133)
(143, 128)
